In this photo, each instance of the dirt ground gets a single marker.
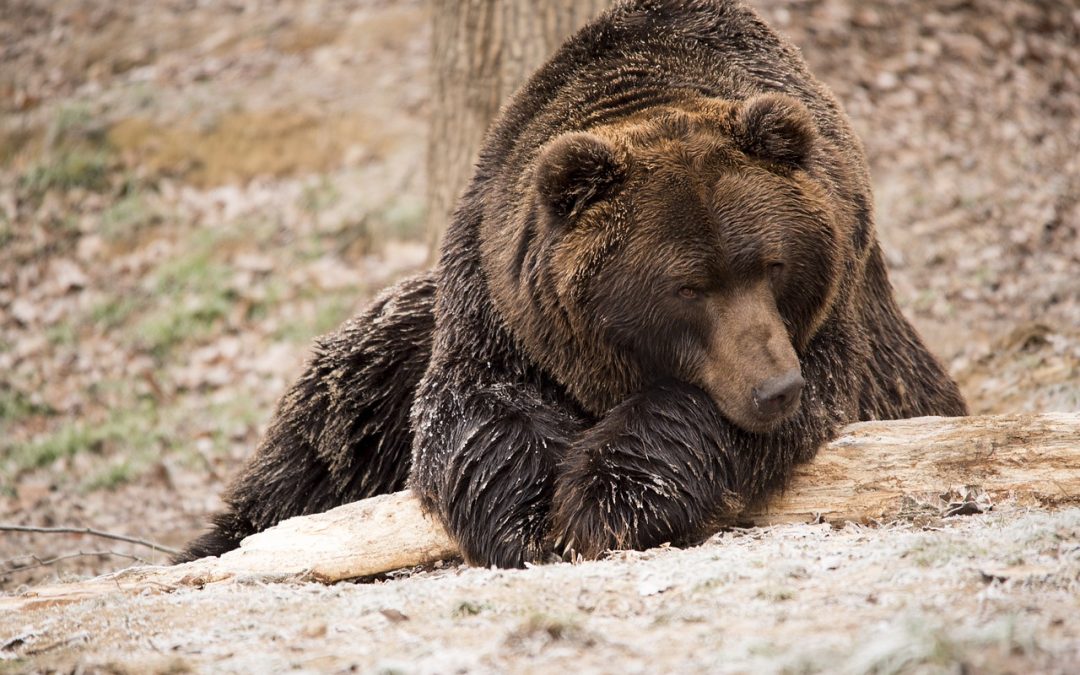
(992, 593)
(190, 191)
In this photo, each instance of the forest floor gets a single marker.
(189, 192)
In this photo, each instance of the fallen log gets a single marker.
(872, 473)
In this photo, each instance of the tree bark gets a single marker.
(482, 51)
(874, 472)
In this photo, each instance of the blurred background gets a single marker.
(190, 191)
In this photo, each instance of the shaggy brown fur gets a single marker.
(342, 431)
(661, 291)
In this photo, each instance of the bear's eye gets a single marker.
(689, 293)
(776, 271)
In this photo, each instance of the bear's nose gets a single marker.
(779, 395)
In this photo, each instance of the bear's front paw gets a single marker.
(653, 470)
(579, 528)
(597, 508)
(503, 550)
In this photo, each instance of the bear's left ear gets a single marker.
(774, 127)
(576, 170)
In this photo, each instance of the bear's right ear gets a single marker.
(576, 170)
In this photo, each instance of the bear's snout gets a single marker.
(752, 371)
(778, 396)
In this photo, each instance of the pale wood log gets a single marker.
(872, 470)
(870, 473)
(369, 537)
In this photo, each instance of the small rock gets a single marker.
(653, 586)
(67, 275)
(90, 247)
(254, 262)
(886, 81)
(24, 311)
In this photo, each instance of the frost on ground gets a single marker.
(989, 593)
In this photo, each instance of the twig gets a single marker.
(91, 532)
(81, 636)
(38, 562)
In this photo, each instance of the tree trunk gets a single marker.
(483, 50)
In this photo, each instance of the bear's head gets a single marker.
(692, 243)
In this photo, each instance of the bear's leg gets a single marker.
(484, 462)
(342, 432)
(657, 468)
(904, 379)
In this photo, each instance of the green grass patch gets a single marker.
(123, 446)
(467, 608)
(331, 310)
(128, 441)
(402, 218)
(132, 432)
(111, 477)
(17, 664)
(126, 217)
(7, 230)
(178, 320)
(65, 442)
(67, 170)
(230, 420)
(934, 552)
(186, 298)
(273, 292)
(319, 196)
(236, 421)
(114, 312)
(192, 269)
(775, 593)
(191, 296)
(15, 405)
(74, 123)
(77, 155)
(63, 334)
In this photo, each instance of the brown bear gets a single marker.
(661, 290)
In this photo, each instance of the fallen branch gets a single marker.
(869, 474)
(91, 532)
(38, 562)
